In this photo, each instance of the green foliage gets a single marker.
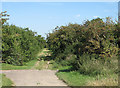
(93, 37)
(89, 43)
(117, 34)
(20, 45)
(89, 65)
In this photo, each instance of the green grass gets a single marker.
(45, 52)
(73, 78)
(28, 65)
(42, 65)
(5, 80)
(40, 51)
(55, 66)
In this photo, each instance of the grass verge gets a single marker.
(28, 65)
(73, 78)
(5, 81)
(42, 65)
(109, 80)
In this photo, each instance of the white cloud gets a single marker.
(95, 16)
(78, 15)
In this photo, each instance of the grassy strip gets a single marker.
(41, 51)
(54, 66)
(73, 78)
(5, 80)
(42, 65)
(43, 60)
(45, 52)
(28, 65)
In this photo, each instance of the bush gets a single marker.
(69, 60)
(20, 45)
(93, 37)
(89, 65)
(93, 43)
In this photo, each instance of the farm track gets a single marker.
(33, 77)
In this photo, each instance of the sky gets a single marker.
(119, 11)
(43, 17)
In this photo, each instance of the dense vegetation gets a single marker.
(77, 50)
(90, 48)
(19, 45)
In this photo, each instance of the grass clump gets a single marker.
(90, 65)
(109, 80)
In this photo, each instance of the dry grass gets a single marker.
(107, 81)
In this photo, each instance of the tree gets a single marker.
(4, 17)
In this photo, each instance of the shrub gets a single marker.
(90, 65)
(20, 45)
(93, 43)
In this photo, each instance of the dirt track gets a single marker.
(34, 77)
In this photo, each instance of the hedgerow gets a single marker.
(77, 43)
(19, 45)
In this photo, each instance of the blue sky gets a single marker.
(43, 17)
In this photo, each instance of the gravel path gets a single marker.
(33, 77)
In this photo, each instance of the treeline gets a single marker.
(90, 47)
(20, 45)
